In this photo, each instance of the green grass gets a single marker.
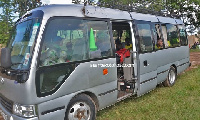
(194, 50)
(180, 102)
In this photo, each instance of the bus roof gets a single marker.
(78, 10)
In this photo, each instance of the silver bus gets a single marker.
(66, 62)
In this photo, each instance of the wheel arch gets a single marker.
(91, 95)
(173, 65)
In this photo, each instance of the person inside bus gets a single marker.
(121, 52)
(159, 44)
(69, 50)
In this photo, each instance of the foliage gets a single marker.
(6, 20)
(9, 9)
(22, 6)
(188, 10)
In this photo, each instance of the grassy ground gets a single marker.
(194, 50)
(180, 102)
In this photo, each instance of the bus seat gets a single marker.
(128, 70)
(79, 50)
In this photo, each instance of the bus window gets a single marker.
(145, 37)
(172, 35)
(68, 41)
(157, 37)
(164, 32)
(183, 36)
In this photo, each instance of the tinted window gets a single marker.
(23, 42)
(172, 36)
(145, 37)
(183, 36)
(68, 40)
(157, 37)
(164, 33)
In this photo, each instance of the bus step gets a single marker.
(125, 85)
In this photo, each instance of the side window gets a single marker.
(99, 39)
(145, 37)
(172, 36)
(68, 40)
(164, 32)
(157, 36)
(183, 35)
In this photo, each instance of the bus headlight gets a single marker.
(24, 110)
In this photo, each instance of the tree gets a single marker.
(187, 10)
(22, 6)
(6, 20)
(7, 17)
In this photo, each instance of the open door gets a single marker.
(124, 55)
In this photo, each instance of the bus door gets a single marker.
(124, 57)
(146, 64)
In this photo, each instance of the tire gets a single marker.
(81, 107)
(171, 78)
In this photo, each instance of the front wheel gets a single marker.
(171, 78)
(82, 107)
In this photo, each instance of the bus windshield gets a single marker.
(22, 43)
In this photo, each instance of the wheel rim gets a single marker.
(172, 76)
(79, 111)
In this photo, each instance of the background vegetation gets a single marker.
(12, 9)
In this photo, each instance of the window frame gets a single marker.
(81, 18)
(180, 36)
(175, 25)
(137, 35)
(75, 63)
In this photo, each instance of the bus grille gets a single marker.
(8, 104)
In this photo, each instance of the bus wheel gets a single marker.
(82, 107)
(171, 78)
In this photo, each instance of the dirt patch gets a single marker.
(194, 60)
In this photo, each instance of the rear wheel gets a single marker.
(171, 78)
(82, 107)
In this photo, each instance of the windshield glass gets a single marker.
(22, 43)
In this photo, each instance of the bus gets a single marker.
(66, 62)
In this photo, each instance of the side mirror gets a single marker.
(6, 57)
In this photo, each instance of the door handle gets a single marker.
(145, 63)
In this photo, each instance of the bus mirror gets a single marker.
(6, 57)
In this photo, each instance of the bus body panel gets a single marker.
(177, 56)
(139, 16)
(106, 13)
(166, 20)
(147, 73)
(56, 108)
